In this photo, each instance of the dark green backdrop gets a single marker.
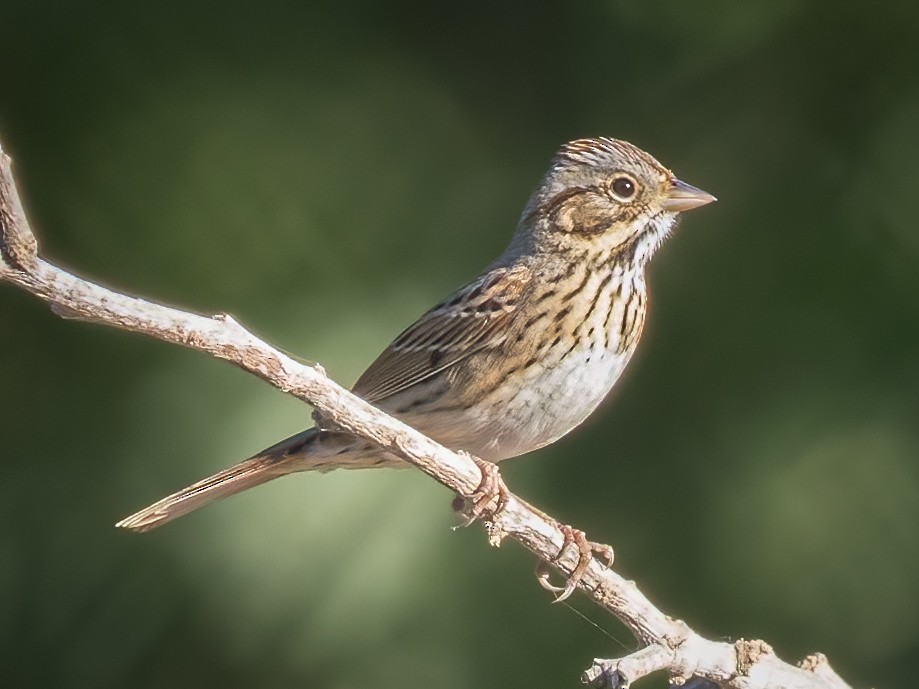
(325, 171)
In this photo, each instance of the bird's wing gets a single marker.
(470, 320)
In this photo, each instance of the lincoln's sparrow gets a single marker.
(526, 351)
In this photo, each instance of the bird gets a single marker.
(522, 354)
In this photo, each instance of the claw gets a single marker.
(491, 489)
(586, 550)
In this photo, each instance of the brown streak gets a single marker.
(577, 290)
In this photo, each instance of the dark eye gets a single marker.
(623, 187)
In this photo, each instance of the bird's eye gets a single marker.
(624, 187)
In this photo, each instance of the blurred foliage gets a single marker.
(325, 171)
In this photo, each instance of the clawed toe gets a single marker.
(491, 489)
(586, 551)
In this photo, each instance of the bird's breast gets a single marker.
(581, 348)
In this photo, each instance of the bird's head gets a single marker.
(606, 195)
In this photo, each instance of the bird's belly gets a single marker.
(551, 401)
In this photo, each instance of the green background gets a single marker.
(326, 171)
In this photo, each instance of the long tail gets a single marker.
(302, 452)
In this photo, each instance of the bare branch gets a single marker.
(619, 674)
(668, 644)
(18, 248)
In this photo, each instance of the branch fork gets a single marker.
(667, 644)
(692, 664)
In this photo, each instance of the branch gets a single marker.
(668, 644)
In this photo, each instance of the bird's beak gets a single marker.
(683, 197)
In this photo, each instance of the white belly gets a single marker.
(552, 402)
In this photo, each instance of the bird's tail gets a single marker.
(306, 451)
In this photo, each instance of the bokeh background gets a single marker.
(325, 171)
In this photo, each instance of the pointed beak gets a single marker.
(683, 197)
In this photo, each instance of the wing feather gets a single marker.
(470, 320)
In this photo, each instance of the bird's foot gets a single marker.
(586, 551)
(491, 489)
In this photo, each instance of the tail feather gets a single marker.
(247, 474)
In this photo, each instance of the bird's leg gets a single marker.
(491, 489)
(586, 551)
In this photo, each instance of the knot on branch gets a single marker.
(749, 653)
(814, 662)
(818, 664)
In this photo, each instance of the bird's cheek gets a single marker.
(583, 218)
